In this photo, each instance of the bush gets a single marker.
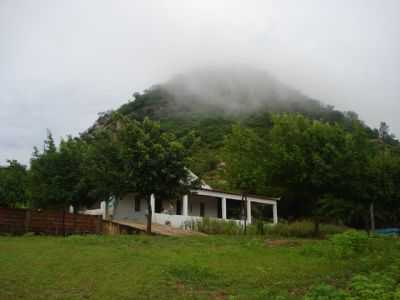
(325, 292)
(375, 286)
(350, 242)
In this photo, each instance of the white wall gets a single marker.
(210, 206)
(176, 221)
(125, 209)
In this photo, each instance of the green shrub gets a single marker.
(325, 292)
(350, 242)
(301, 229)
(375, 286)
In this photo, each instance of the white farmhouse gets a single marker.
(199, 203)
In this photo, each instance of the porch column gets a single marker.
(275, 212)
(248, 211)
(185, 199)
(223, 207)
(152, 203)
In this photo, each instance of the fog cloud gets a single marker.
(62, 62)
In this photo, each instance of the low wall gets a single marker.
(19, 221)
(179, 221)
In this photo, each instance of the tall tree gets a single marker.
(130, 156)
(43, 175)
(156, 160)
(57, 176)
(105, 167)
(13, 185)
(306, 157)
(244, 155)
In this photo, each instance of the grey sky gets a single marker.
(62, 62)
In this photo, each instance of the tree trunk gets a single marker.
(372, 217)
(149, 214)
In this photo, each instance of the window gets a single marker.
(202, 209)
(137, 204)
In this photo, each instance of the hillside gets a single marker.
(210, 100)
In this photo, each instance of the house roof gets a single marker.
(206, 188)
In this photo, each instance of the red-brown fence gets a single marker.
(19, 221)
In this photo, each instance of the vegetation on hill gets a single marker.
(210, 101)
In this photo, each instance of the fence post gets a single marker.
(27, 220)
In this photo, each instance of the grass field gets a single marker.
(142, 267)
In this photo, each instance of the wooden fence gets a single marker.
(19, 221)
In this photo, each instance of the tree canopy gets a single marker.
(332, 171)
(13, 185)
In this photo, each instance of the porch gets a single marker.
(192, 207)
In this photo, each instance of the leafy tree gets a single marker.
(131, 156)
(57, 176)
(244, 155)
(43, 175)
(13, 185)
(156, 160)
(306, 157)
(384, 183)
(105, 168)
(75, 187)
(354, 188)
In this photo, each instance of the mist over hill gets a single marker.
(225, 91)
(233, 89)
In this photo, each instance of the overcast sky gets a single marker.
(62, 62)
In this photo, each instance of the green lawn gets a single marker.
(142, 267)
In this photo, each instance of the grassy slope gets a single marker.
(141, 267)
